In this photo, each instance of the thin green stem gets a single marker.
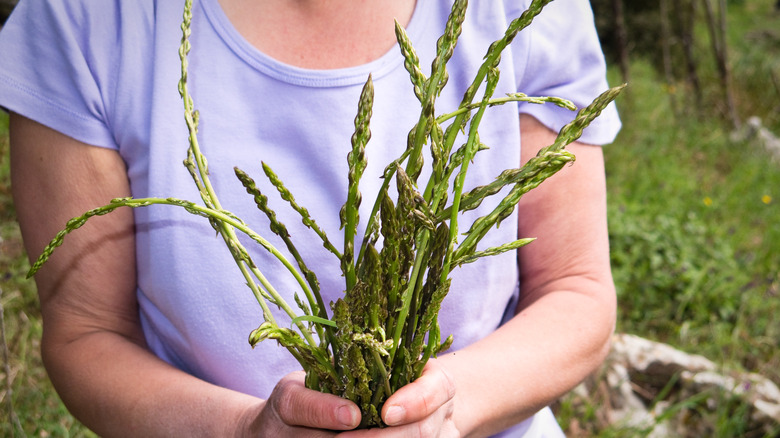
(225, 227)
(437, 80)
(471, 149)
(412, 286)
(514, 97)
(357, 164)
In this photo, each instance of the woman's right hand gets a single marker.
(292, 410)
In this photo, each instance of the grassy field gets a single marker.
(694, 219)
(694, 230)
(694, 214)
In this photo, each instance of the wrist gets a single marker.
(248, 423)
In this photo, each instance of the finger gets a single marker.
(296, 405)
(431, 428)
(420, 398)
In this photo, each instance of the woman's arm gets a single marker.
(93, 347)
(566, 314)
(565, 318)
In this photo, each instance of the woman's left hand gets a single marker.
(423, 408)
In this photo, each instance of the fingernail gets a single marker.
(394, 415)
(347, 416)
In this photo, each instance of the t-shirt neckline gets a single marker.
(310, 77)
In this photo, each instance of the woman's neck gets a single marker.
(319, 34)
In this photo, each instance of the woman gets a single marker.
(145, 318)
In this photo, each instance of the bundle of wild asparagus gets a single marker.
(379, 336)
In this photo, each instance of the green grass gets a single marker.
(693, 225)
(693, 219)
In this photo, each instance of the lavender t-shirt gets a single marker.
(105, 72)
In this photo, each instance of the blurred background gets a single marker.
(694, 209)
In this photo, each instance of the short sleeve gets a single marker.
(563, 58)
(56, 66)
